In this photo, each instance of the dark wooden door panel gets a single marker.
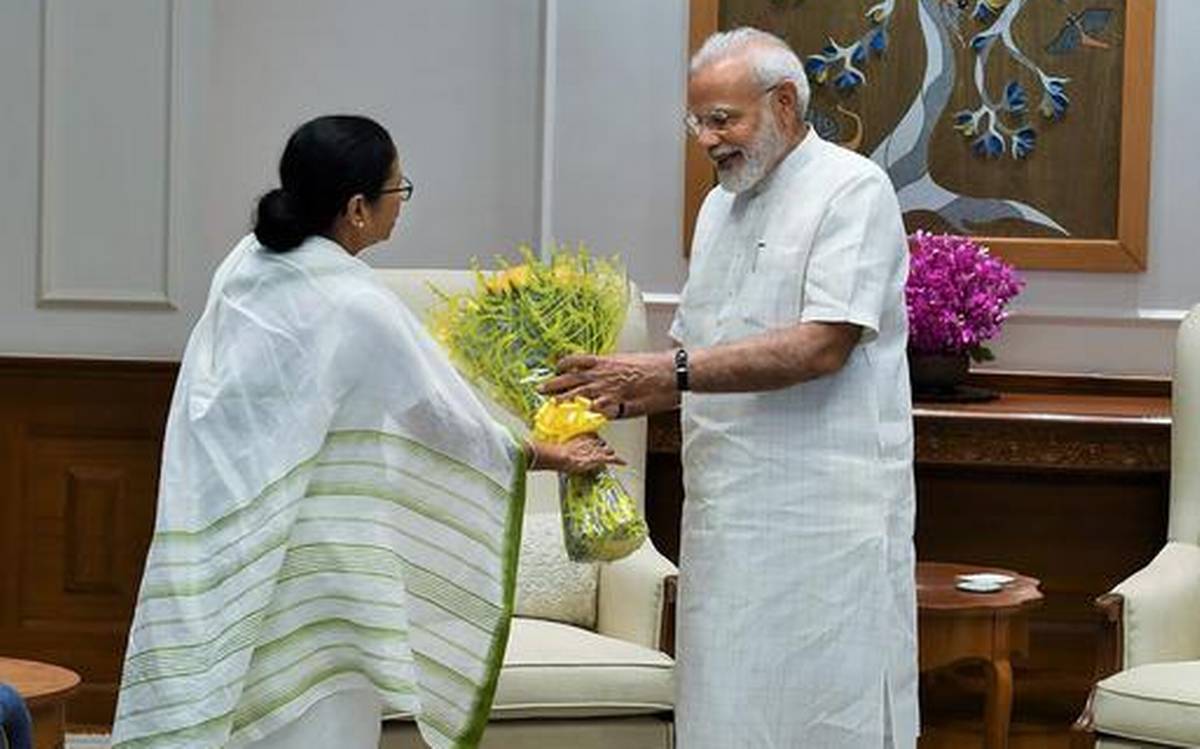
(79, 456)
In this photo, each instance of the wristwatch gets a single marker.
(681, 370)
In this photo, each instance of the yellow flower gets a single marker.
(564, 273)
(560, 421)
(509, 278)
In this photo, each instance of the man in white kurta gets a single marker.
(797, 606)
(797, 562)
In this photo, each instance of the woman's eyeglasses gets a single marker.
(404, 189)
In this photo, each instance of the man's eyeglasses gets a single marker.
(719, 120)
(404, 189)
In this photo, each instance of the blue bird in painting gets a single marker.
(1080, 30)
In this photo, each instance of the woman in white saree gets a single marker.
(338, 517)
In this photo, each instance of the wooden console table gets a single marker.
(1064, 478)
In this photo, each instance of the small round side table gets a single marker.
(45, 689)
(954, 626)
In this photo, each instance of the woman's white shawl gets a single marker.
(336, 511)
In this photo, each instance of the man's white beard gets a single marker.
(757, 158)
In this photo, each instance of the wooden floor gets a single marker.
(951, 715)
(941, 737)
(966, 736)
(965, 740)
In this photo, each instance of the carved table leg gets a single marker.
(998, 708)
(49, 725)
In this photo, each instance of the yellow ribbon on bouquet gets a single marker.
(561, 421)
(601, 521)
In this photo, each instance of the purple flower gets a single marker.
(956, 294)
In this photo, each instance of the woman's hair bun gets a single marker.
(280, 224)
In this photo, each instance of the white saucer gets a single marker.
(982, 582)
(970, 586)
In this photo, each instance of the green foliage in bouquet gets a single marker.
(506, 337)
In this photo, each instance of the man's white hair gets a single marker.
(771, 60)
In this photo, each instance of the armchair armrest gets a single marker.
(635, 598)
(1161, 607)
(1110, 650)
(1110, 608)
(1150, 617)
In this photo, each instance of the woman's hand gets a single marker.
(582, 455)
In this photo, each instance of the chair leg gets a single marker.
(1082, 739)
(1083, 734)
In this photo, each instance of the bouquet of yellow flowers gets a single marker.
(507, 335)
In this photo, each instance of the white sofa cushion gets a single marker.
(1158, 702)
(554, 670)
(549, 585)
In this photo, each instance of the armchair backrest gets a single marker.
(628, 437)
(1185, 433)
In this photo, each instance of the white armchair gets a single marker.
(580, 674)
(1149, 695)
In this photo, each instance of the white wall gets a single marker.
(151, 181)
(517, 119)
(617, 166)
(455, 81)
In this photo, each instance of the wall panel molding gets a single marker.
(108, 144)
(94, 497)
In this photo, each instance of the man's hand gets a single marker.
(585, 455)
(620, 385)
(626, 385)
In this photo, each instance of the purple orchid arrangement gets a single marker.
(956, 295)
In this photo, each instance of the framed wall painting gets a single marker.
(1025, 123)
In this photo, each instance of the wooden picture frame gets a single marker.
(1125, 252)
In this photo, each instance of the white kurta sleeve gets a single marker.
(678, 329)
(684, 323)
(859, 248)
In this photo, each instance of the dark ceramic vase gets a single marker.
(937, 373)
